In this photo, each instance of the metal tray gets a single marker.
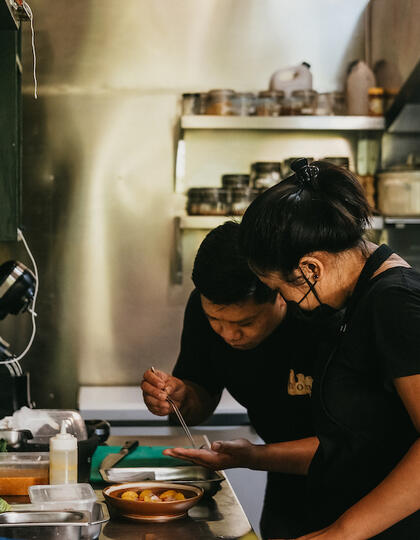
(208, 480)
(49, 525)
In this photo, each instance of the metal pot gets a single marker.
(15, 438)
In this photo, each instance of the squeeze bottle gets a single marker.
(292, 78)
(63, 458)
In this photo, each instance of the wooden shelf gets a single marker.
(291, 123)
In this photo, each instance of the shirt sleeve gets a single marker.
(397, 330)
(198, 360)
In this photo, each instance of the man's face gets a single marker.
(244, 325)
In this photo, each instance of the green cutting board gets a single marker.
(142, 456)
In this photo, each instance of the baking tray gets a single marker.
(192, 475)
(51, 524)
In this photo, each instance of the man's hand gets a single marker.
(157, 387)
(222, 455)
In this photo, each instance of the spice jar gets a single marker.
(290, 106)
(191, 103)
(220, 102)
(376, 101)
(265, 174)
(244, 104)
(269, 102)
(241, 199)
(307, 99)
(231, 181)
(208, 201)
(338, 103)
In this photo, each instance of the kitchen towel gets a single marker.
(143, 456)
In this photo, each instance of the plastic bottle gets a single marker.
(63, 458)
(359, 79)
(292, 78)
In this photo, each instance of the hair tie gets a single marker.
(305, 173)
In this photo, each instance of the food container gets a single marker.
(244, 104)
(193, 475)
(399, 193)
(151, 511)
(208, 201)
(191, 103)
(308, 100)
(265, 174)
(14, 438)
(63, 497)
(235, 180)
(376, 101)
(50, 525)
(220, 102)
(20, 470)
(269, 103)
(338, 103)
(241, 199)
(324, 105)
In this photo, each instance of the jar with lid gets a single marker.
(338, 103)
(231, 181)
(241, 199)
(244, 104)
(191, 103)
(202, 109)
(324, 104)
(220, 102)
(265, 174)
(269, 103)
(290, 106)
(376, 101)
(307, 99)
(208, 201)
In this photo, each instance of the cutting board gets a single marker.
(142, 456)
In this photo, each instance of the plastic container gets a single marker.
(269, 103)
(63, 458)
(220, 102)
(399, 193)
(308, 100)
(208, 201)
(63, 497)
(20, 470)
(359, 79)
(231, 181)
(265, 174)
(292, 78)
(244, 104)
(191, 103)
(324, 105)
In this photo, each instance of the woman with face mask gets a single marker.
(305, 239)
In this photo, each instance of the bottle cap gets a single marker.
(64, 440)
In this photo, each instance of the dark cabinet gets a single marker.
(10, 125)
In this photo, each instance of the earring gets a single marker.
(316, 277)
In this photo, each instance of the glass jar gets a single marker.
(265, 174)
(308, 100)
(241, 198)
(324, 104)
(208, 201)
(220, 102)
(376, 101)
(231, 181)
(203, 103)
(269, 103)
(338, 103)
(290, 106)
(191, 103)
(244, 104)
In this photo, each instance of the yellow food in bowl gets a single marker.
(172, 495)
(130, 496)
(147, 495)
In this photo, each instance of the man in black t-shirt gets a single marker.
(237, 335)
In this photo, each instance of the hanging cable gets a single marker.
(29, 13)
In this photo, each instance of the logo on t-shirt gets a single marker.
(299, 385)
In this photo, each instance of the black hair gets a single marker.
(321, 207)
(221, 273)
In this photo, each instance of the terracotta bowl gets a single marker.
(151, 511)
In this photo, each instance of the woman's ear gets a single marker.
(312, 268)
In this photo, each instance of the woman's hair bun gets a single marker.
(306, 174)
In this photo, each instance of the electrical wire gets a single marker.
(29, 13)
(14, 362)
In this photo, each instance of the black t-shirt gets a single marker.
(363, 426)
(272, 381)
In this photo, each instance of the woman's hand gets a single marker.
(157, 386)
(221, 455)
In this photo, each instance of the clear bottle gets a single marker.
(63, 458)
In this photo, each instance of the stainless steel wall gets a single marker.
(98, 162)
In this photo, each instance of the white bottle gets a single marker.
(359, 79)
(292, 78)
(63, 458)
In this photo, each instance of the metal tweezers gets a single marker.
(179, 416)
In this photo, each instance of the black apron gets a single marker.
(334, 486)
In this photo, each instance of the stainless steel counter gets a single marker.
(218, 517)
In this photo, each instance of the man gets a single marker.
(236, 335)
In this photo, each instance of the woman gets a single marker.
(304, 238)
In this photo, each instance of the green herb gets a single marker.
(4, 506)
(3, 445)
